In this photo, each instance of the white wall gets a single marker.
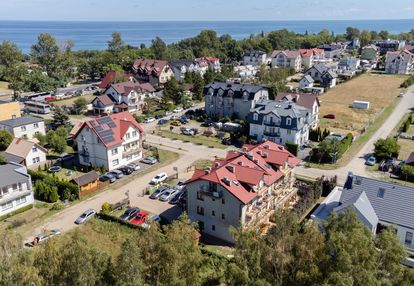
(97, 151)
(38, 154)
(30, 130)
(15, 200)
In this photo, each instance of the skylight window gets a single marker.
(381, 193)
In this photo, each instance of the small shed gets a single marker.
(87, 182)
(360, 104)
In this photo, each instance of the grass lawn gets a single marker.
(202, 164)
(380, 90)
(197, 139)
(407, 146)
(70, 101)
(4, 88)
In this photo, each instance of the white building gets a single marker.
(287, 59)
(306, 81)
(254, 58)
(399, 62)
(280, 122)
(24, 127)
(15, 188)
(25, 152)
(111, 141)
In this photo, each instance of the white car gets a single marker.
(161, 177)
(87, 215)
(149, 120)
(177, 109)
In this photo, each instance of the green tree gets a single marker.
(46, 191)
(2, 160)
(5, 139)
(46, 52)
(198, 86)
(129, 267)
(60, 118)
(80, 104)
(386, 148)
(57, 140)
(172, 91)
(365, 38)
(10, 54)
(352, 33)
(116, 44)
(159, 48)
(16, 76)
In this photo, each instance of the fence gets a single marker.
(100, 185)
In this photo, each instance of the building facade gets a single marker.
(254, 58)
(280, 122)
(232, 99)
(24, 127)
(400, 62)
(27, 153)
(244, 189)
(156, 72)
(110, 141)
(15, 188)
(287, 59)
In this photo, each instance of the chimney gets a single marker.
(227, 181)
(230, 168)
(266, 146)
(349, 181)
(216, 165)
(208, 170)
(240, 163)
(264, 155)
(281, 148)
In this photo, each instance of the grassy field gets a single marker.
(4, 88)
(198, 139)
(407, 146)
(380, 90)
(70, 101)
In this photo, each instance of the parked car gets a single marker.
(108, 176)
(126, 170)
(140, 218)
(371, 161)
(158, 192)
(65, 157)
(149, 120)
(41, 238)
(176, 198)
(188, 131)
(134, 166)
(189, 112)
(149, 160)
(162, 121)
(161, 177)
(329, 116)
(153, 218)
(178, 109)
(175, 123)
(168, 113)
(401, 94)
(129, 213)
(159, 116)
(184, 120)
(117, 173)
(85, 216)
(168, 195)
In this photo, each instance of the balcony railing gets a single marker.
(271, 123)
(271, 134)
(128, 151)
(211, 192)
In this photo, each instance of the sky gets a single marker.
(205, 10)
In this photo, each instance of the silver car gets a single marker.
(117, 173)
(87, 215)
(167, 195)
(134, 166)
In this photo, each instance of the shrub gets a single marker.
(292, 148)
(106, 208)
(45, 191)
(406, 125)
(407, 172)
(409, 81)
(57, 206)
(386, 148)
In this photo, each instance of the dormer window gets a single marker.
(255, 116)
(288, 121)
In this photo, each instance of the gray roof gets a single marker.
(20, 121)
(237, 89)
(12, 174)
(12, 158)
(394, 207)
(309, 78)
(362, 205)
(253, 53)
(180, 63)
(280, 108)
(321, 68)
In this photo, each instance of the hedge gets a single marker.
(23, 209)
(409, 81)
(407, 173)
(292, 148)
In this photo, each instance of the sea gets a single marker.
(95, 35)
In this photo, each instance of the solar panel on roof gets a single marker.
(112, 124)
(98, 128)
(108, 139)
(104, 120)
(104, 133)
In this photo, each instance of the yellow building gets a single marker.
(9, 110)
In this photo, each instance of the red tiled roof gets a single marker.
(105, 99)
(306, 53)
(241, 170)
(124, 88)
(122, 121)
(302, 99)
(149, 67)
(111, 76)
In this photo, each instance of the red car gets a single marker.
(140, 218)
(329, 116)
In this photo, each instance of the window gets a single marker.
(288, 121)
(200, 196)
(223, 216)
(6, 206)
(213, 213)
(127, 136)
(222, 201)
(381, 193)
(20, 201)
(213, 227)
(36, 125)
(255, 116)
(34, 149)
(134, 134)
(408, 238)
(14, 187)
(115, 162)
(36, 160)
(200, 210)
(114, 151)
(201, 225)
(289, 132)
(4, 191)
(23, 128)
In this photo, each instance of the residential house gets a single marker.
(24, 127)
(307, 57)
(389, 45)
(228, 99)
(103, 104)
(15, 188)
(309, 101)
(377, 204)
(323, 75)
(25, 152)
(129, 96)
(370, 53)
(306, 81)
(399, 62)
(115, 76)
(87, 183)
(254, 58)
(156, 72)
(349, 64)
(332, 51)
(181, 67)
(280, 122)
(9, 110)
(355, 44)
(209, 63)
(110, 141)
(244, 189)
(287, 59)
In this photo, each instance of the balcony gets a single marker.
(271, 123)
(211, 192)
(271, 134)
(129, 151)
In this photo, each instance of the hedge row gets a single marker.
(409, 81)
